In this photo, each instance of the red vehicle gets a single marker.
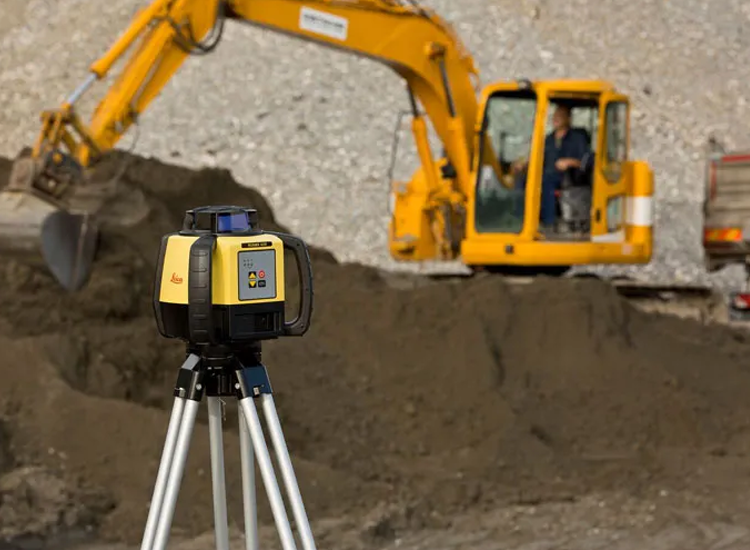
(726, 223)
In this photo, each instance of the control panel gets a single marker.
(257, 273)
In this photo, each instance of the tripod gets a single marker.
(224, 375)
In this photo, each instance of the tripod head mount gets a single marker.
(220, 283)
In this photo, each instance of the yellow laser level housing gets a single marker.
(221, 280)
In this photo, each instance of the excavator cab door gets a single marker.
(566, 204)
(610, 185)
(506, 136)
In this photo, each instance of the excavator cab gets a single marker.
(538, 212)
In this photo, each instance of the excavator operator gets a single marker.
(564, 149)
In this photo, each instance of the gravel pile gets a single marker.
(312, 128)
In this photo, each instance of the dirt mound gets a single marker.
(35, 502)
(442, 397)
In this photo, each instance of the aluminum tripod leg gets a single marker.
(287, 471)
(176, 471)
(165, 463)
(221, 524)
(266, 471)
(175, 464)
(253, 382)
(161, 477)
(247, 460)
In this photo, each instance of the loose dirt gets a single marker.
(438, 399)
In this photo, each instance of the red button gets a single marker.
(262, 274)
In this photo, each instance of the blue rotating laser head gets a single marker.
(221, 220)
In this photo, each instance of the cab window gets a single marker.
(505, 143)
(615, 140)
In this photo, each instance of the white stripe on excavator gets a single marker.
(639, 211)
(616, 237)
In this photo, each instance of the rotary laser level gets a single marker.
(220, 281)
(220, 287)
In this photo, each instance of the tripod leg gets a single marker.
(175, 476)
(161, 478)
(167, 456)
(217, 473)
(287, 471)
(190, 388)
(247, 459)
(266, 470)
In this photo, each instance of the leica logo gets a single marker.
(176, 279)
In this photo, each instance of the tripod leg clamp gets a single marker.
(189, 384)
(253, 382)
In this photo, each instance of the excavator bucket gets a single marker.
(37, 231)
(69, 243)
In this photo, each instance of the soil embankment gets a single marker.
(439, 398)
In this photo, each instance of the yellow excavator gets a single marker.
(482, 201)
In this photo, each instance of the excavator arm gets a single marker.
(413, 41)
(410, 39)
